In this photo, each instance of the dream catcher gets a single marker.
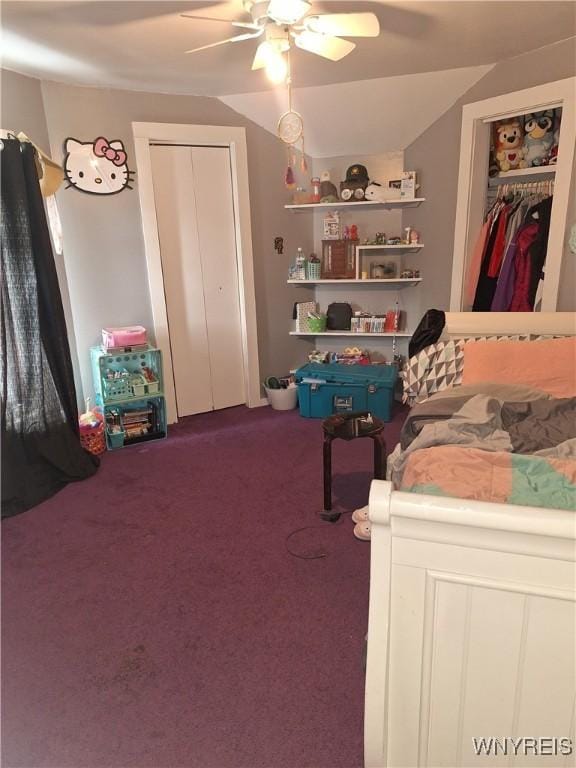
(291, 131)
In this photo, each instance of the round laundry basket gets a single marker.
(282, 399)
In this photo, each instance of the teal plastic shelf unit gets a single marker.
(126, 376)
(129, 388)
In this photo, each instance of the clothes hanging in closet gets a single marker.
(510, 252)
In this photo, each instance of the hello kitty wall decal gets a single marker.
(97, 167)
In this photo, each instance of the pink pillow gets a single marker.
(547, 365)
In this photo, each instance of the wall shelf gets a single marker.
(402, 247)
(341, 205)
(402, 282)
(398, 334)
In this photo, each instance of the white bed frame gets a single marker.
(472, 616)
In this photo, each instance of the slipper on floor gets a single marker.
(362, 530)
(360, 515)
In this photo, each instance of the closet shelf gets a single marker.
(401, 247)
(403, 282)
(414, 203)
(398, 334)
(538, 173)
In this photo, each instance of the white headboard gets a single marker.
(464, 324)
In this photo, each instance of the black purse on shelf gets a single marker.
(339, 317)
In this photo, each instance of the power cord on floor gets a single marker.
(330, 517)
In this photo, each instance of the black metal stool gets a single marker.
(349, 426)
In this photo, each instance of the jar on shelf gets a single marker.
(315, 189)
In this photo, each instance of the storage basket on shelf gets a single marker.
(313, 270)
(317, 324)
(116, 439)
(118, 388)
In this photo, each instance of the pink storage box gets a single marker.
(130, 336)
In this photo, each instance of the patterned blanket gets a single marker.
(471, 473)
(480, 448)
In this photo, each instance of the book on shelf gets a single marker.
(388, 323)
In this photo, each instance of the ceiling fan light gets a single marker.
(288, 11)
(277, 69)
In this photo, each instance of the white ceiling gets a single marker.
(370, 116)
(139, 44)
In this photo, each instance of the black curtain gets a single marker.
(41, 450)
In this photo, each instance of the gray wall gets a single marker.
(435, 155)
(22, 107)
(103, 243)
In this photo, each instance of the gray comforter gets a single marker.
(544, 427)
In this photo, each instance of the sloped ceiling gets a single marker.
(140, 44)
(368, 116)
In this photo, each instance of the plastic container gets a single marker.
(128, 336)
(116, 439)
(93, 439)
(282, 399)
(317, 324)
(325, 389)
(312, 270)
(129, 369)
(117, 389)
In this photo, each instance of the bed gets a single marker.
(471, 631)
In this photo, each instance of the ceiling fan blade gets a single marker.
(261, 56)
(332, 48)
(344, 24)
(237, 39)
(241, 24)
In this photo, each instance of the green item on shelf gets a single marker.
(317, 324)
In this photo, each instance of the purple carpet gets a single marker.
(152, 616)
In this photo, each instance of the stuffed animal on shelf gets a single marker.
(328, 191)
(375, 192)
(509, 145)
(539, 138)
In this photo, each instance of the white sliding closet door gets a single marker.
(196, 228)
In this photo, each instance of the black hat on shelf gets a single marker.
(357, 173)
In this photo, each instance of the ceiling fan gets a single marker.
(281, 22)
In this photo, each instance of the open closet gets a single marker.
(516, 160)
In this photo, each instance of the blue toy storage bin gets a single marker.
(325, 389)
